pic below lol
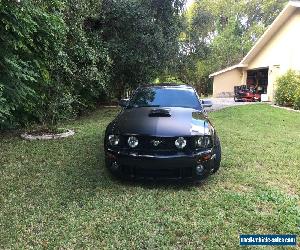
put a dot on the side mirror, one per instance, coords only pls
(124, 103)
(206, 103)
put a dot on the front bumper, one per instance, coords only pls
(177, 166)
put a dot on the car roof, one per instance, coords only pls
(168, 85)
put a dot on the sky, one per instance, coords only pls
(189, 2)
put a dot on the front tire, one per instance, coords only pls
(218, 152)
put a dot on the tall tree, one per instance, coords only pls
(141, 37)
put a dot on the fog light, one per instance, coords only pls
(206, 157)
(199, 169)
(180, 143)
(114, 166)
(133, 142)
(204, 142)
(114, 140)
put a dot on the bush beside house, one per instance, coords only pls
(297, 99)
(288, 90)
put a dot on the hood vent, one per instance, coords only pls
(160, 113)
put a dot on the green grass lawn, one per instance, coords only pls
(58, 194)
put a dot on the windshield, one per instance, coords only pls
(165, 97)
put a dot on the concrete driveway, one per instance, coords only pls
(220, 103)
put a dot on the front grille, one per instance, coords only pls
(147, 144)
(171, 173)
(167, 144)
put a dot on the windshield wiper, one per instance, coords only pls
(149, 106)
(143, 106)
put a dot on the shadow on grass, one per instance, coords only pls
(86, 177)
(172, 185)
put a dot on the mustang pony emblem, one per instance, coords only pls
(156, 142)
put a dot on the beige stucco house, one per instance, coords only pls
(273, 54)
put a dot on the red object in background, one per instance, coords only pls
(250, 82)
(245, 94)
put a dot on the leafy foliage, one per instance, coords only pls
(39, 79)
(60, 58)
(141, 37)
(31, 40)
(89, 64)
(288, 89)
(297, 99)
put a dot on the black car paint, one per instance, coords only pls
(181, 122)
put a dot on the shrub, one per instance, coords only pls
(51, 69)
(60, 58)
(288, 86)
(297, 99)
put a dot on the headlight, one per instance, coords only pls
(204, 142)
(114, 140)
(180, 143)
(133, 141)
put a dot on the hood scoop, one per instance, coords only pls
(160, 113)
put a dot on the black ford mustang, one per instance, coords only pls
(162, 132)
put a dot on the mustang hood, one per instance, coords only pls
(164, 122)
